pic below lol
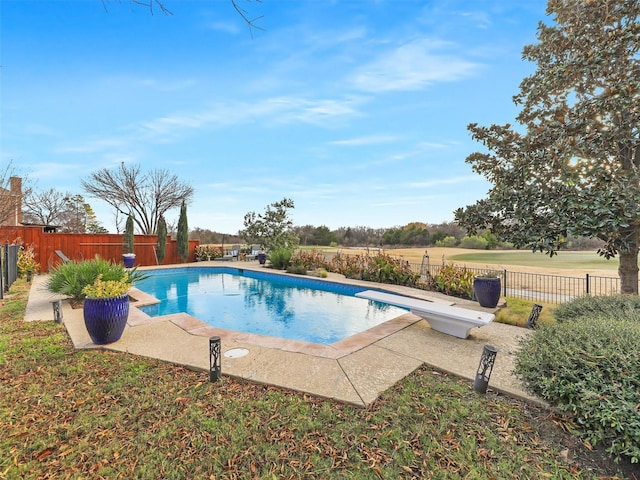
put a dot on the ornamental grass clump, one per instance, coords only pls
(589, 368)
(280, 258)
(70, 278)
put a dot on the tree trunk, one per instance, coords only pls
(628, 269)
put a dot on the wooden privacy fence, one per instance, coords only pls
(79, 246)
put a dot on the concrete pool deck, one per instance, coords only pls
(355, 370)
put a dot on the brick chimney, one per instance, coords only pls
(15, 185)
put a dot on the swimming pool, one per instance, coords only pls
(297, 308)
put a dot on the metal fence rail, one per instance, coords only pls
(538, 287)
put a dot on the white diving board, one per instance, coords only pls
(455, 321)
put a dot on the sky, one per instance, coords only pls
(357, 110)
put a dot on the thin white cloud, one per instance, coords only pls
(445, 181)
(481, 19)
(94, 145)
(49, 170)
(276, 110)
(226, 27)
(366, 140)
(412, 66)
(427, 146)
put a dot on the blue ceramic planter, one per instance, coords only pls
(487, 291)
(105, 318)
(129, 260)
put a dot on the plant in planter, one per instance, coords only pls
(487, 288)
(106, 309)
(70, 278)
(128, 257)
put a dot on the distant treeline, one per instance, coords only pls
(415, 234)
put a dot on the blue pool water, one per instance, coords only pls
(298, 308)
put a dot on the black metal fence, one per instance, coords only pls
(539, 287)
(8, 267)
(535, 287)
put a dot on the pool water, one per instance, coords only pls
(298, 308)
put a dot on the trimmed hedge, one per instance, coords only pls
(588, 365)
(625, 306)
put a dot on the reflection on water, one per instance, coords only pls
(269, 304)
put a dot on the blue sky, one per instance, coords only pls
(357, 110)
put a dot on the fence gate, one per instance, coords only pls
(9, 267)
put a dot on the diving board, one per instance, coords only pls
(454, 321)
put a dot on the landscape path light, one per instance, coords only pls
(485, 368)
(57, 311)
(215, 359)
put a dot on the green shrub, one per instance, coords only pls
(474, 242)
(297, 269)
(280, 258)
(70, 278)
(129, 237)
(589, 369)
(454, 281)
(322, 273)
(447, 241)
(384, 268)
(623, 305)
(350, 266)
(27, 261)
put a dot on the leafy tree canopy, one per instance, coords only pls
(571, 165)
(272, 229)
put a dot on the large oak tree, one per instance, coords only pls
(572, 164)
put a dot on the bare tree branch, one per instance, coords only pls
(160, 4)
(145, 196)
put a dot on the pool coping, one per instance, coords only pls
(356, 370)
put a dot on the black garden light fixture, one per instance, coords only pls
(57, 311)
(485, 368)
(215, 359)
(532, 321)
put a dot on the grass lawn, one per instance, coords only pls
(568, 260)
(95, 414)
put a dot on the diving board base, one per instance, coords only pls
(447, 319)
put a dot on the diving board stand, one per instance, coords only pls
(454, 321)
